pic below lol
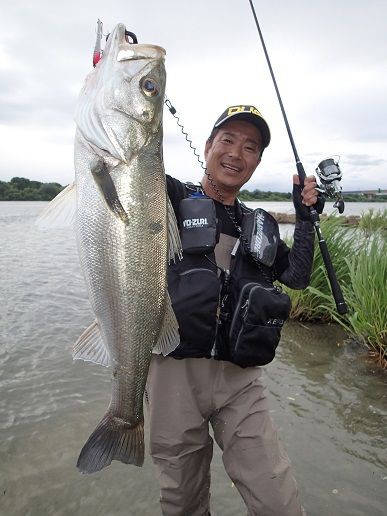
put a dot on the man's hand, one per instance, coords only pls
(308, 196)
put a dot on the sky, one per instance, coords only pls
(329, 59)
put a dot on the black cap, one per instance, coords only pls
(250, 114)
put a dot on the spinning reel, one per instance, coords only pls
(330, 175)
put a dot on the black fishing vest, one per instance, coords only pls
(202, 297)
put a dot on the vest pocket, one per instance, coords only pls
(195, 298)
(257, 321)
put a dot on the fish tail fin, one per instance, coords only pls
(113, 439)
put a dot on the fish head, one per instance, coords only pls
(120, 106)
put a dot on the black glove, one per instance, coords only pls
(302, 211)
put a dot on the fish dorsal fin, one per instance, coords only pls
(169, 337)
(91, 347)
(60, 212)
(174, 242)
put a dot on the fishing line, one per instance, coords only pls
(214, 186)
(173, 112)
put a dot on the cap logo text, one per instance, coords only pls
(243, 109)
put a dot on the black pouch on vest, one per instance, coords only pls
(195, 297)
(261, 232)
(255, 329)
(198, 224)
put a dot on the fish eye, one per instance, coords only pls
(149, 87)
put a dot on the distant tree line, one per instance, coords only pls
(364, 198)
(22, 189)
(258, 195)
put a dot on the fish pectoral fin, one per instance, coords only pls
(60, 212)
(108, 190)
(169, 337)
(91, 347)
(174, 242)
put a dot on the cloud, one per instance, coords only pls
(364, 160)
(36, 154)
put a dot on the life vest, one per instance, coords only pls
(205, 298)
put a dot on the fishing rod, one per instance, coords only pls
(330, 175)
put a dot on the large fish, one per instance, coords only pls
(123, 223)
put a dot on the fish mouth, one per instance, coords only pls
(130, 51)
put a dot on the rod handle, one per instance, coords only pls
(335, 286)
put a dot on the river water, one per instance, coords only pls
(328, 401)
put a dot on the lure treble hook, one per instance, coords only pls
(97, 54)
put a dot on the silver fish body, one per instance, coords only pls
(122, 234)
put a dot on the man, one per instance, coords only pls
(199, 384)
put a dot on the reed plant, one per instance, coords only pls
(315, 302)
(366, 297)
(372, 221)
(359, 257)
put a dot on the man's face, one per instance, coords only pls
(233, 155)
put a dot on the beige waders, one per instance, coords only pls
(184, 396)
